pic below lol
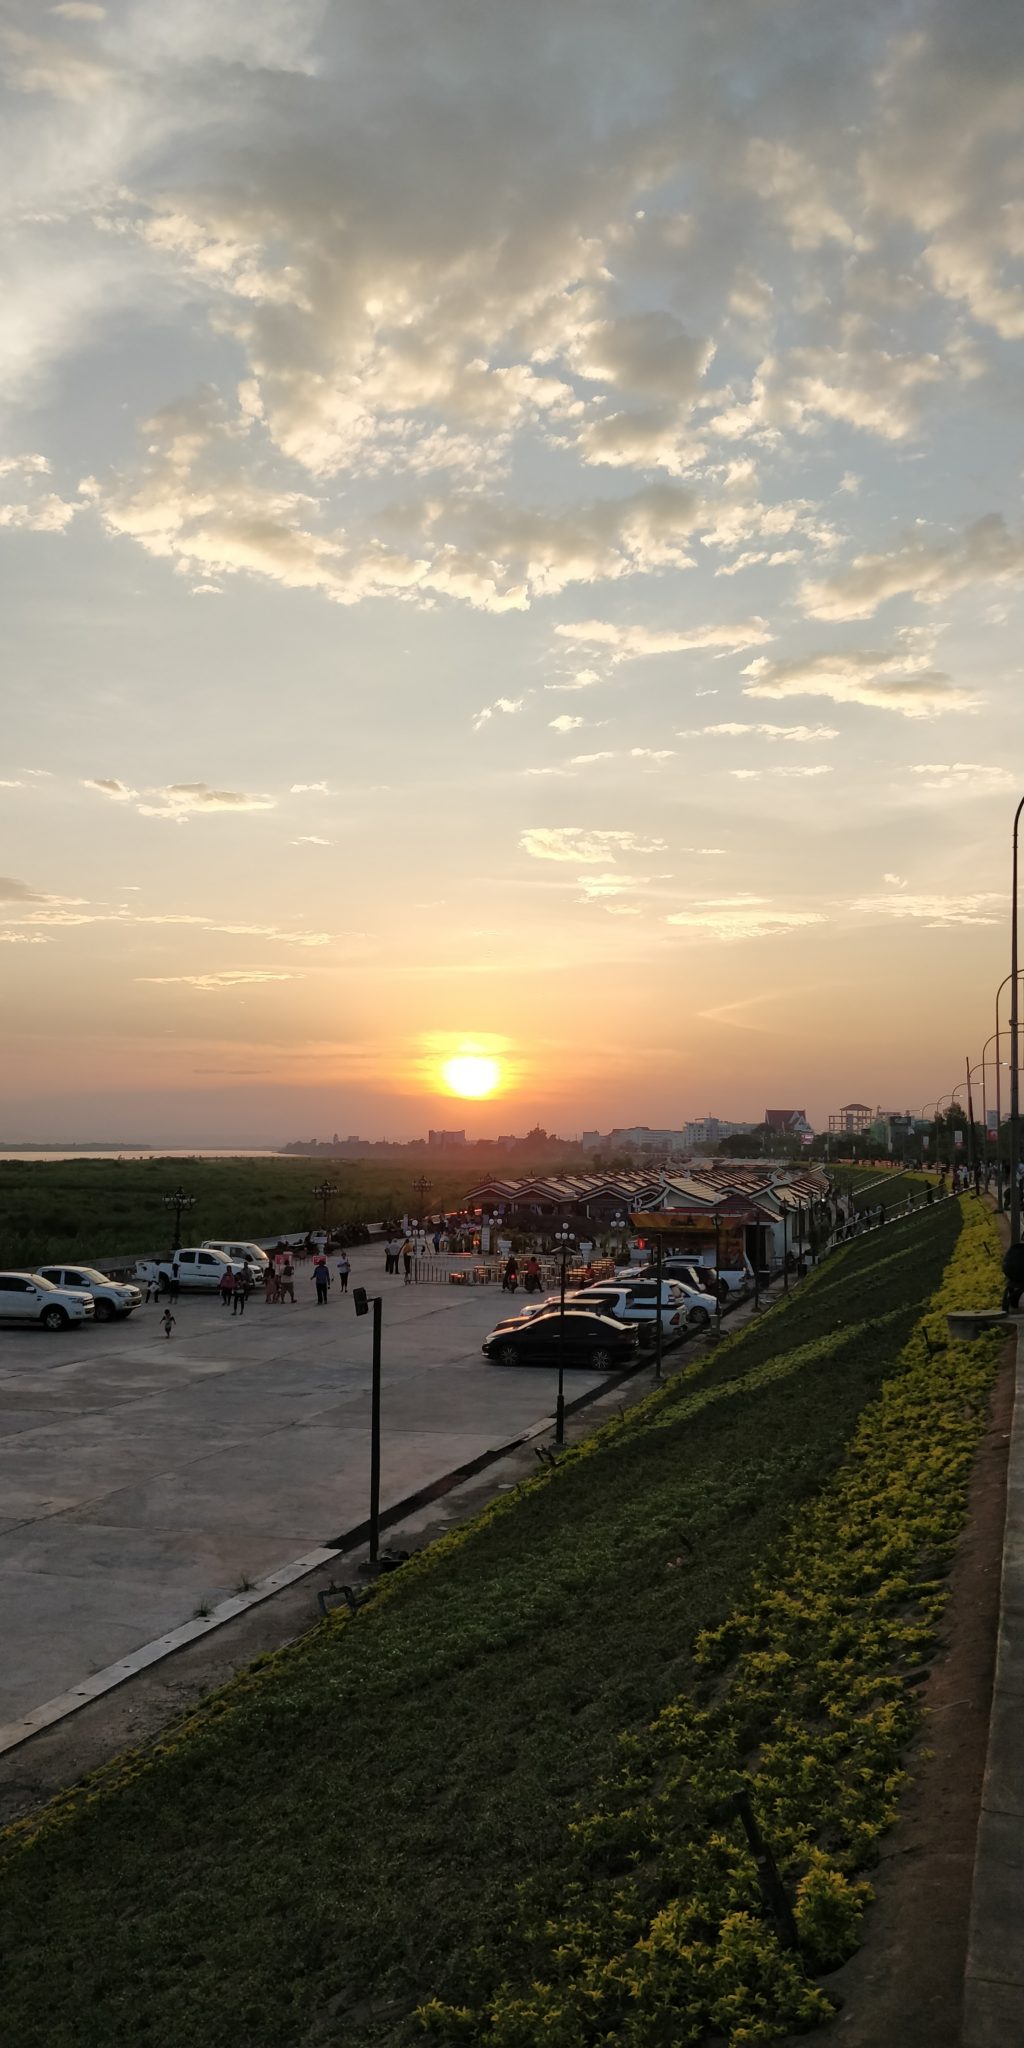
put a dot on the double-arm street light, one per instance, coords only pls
(323, 1195)
(179, 1202)
(565, 1240)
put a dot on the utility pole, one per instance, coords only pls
(658, 1255)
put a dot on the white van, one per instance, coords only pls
(238, 1253)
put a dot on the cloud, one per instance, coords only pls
(972, 777)
(796, 735)
(310, 839)
(884, 681)
(563, 723)
(930, 571)
(79, 10)
(119, 792)
(584, 679)
(754, 774)
(584, 760)
(632, 643)
(12, 891)
(742, 917)
(576, 843)
(508, 705)
(310, 788)
(180, 801)
(895, 881)
(937, 912)
(24, 939)
(227, 978)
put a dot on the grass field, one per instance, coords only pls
(350, 1831)
(874, 1184)
(105, 1208)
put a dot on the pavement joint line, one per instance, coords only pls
(997, 1919)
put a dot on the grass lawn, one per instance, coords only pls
(340, 1835)
(106, 1208)
(874, 1184)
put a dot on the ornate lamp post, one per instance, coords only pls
(179, 1202)
(323, 1195)
(422, 1187)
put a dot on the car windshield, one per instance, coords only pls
(38, 1281)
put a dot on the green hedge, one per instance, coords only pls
(657, 1934)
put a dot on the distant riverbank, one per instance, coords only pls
(29, 1153)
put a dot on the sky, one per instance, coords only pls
(511, 546)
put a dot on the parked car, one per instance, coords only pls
(637, 1303)
(731, 1279)
(28, 1298)
(112, 1297)
(258, 1259)
(596, 1340)
(199, 1271)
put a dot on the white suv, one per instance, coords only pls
(28, 1298)
(238, 1253)
(112, 1297)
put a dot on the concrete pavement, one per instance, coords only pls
(140, 1476)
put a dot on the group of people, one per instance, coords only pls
(533, 1279)
(322, 1276)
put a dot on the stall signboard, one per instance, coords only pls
(693, 1231)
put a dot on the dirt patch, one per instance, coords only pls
(905, 1985)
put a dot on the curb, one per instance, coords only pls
(994, 1976)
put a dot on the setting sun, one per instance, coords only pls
(471, 1076)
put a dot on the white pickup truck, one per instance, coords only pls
(197, 1270)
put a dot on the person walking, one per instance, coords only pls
(172, 1291)
(241, 1293)
(531, 1278)
(272, 1285)
(407, 1261)
(227, 1286)
(321, 1281)
(344, 1269)
(167, 1322)
(286, 1281)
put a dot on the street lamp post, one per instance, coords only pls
(362, 1304)
(565, 1240)
(179, 1202)
(323, 1195)
(422, 1188)
(1014, 1047)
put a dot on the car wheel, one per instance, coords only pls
(601, 1360)
(104, 1311)
(54, 1319)
(698, 1318)
(507, 1354)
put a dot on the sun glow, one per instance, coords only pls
(471, 1076)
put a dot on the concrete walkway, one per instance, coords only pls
(140, 1477)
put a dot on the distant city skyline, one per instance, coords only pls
(511, 552)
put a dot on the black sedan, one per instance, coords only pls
(598, 1341)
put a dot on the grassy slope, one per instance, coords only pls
(104, 1208)
(874, 1184)
(357, 1816)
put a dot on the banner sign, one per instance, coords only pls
(958, 1139)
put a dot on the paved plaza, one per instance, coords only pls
(140, 1476)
